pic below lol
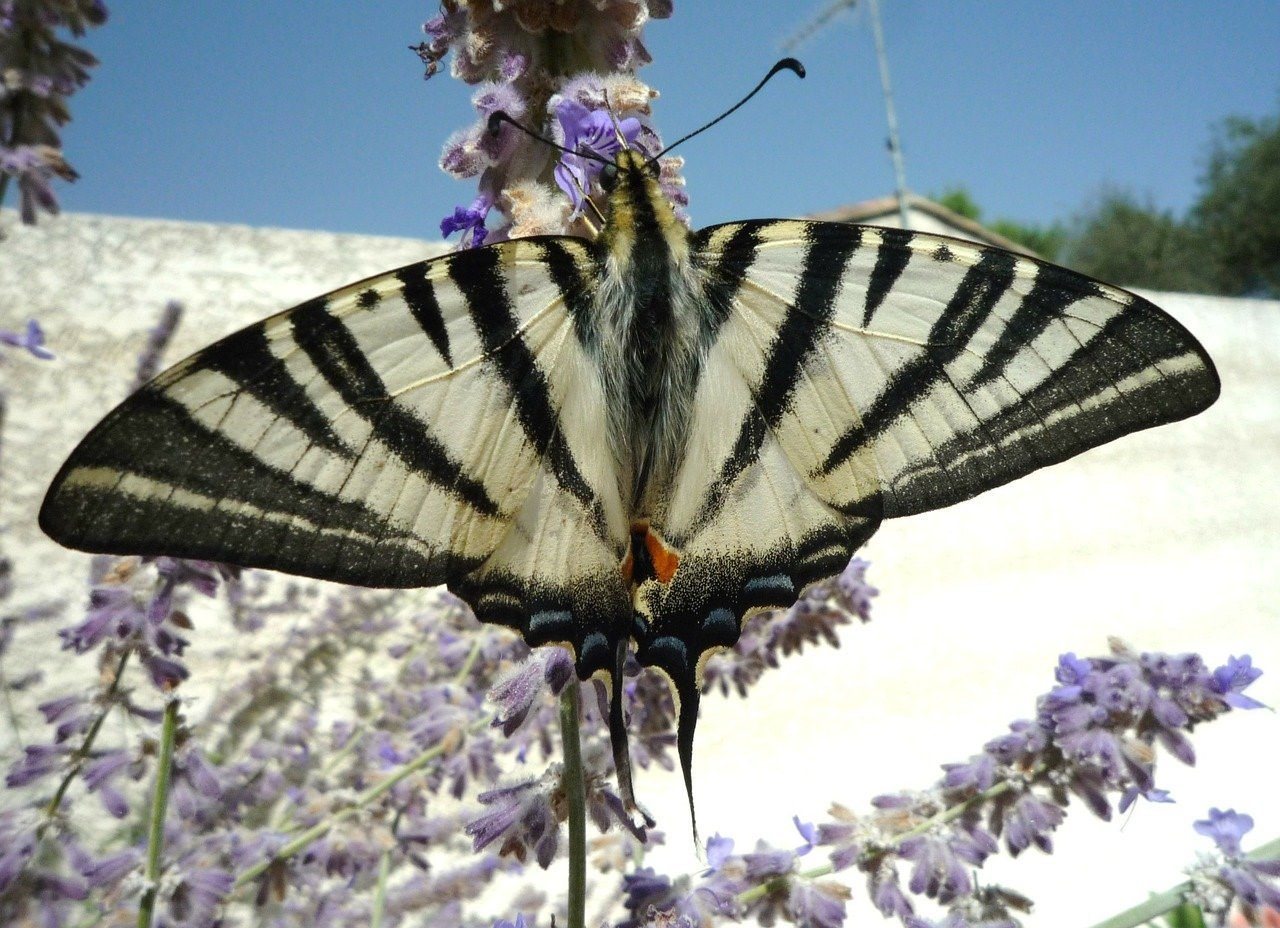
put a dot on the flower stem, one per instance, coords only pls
(1170, 899)
(86, 745)
(575, 787)
(380, 891)
(159, 806)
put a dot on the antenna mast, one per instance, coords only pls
(818, 23)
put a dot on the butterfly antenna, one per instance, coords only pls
(498, 118)
(786, 64)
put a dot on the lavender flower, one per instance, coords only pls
(158, 339)
(521, 819)
(469, 220)
(1094, 735)
(31, 338)
(770, 636)
(1227, 878)
(595, 134)
(39, 71)
(517, 54)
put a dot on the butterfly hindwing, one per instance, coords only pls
(429, 425)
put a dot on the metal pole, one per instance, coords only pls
(816, 25)
(895, 147)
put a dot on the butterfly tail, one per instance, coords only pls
(618, 730)
(689, 694)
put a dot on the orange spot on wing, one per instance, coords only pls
(628, 568)
(665, 560)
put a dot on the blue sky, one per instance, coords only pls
(315, 116)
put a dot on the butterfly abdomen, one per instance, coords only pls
(651, 354)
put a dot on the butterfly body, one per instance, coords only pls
(634, 442)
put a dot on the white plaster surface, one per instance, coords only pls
(1169, 539)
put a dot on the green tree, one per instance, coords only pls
(1045, 241)
(1131, 243)
(1239, 207)
(958, 200)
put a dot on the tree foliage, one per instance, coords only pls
(1238, 210)
(1129, 242)
(1046, 241)
(1228, 243)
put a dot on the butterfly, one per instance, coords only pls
(633, 442)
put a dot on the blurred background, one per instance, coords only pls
(268, 152)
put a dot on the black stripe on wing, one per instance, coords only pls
(247, 361)
(974, 299)
(724, 270)
(806, 324)
(420, 297)
(563, 267)
(891, 260)
(1053, 291)
(154, 437)
(1069, 412)
(478, 275)
(337, 356)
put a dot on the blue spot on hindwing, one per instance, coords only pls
(721, 626)
(550, 622)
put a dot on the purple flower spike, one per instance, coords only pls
(852, 591)
(32, 339)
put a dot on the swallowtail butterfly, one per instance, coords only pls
(636, 441)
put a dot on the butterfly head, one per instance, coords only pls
(635, 198)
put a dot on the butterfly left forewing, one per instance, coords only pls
(397, 432)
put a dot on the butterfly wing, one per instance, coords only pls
(435, 424)
(871, 373)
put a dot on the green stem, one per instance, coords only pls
(371, 795)
(380, 892)
(159, 806)
(1170, 899)
(86, 746)
(470, 662)
(575, 787)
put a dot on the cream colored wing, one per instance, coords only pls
(854, 374)
(435, 424)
